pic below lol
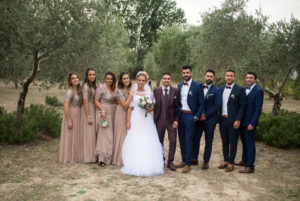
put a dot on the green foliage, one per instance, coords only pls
(281, 131)
(52, 100)
(37, 120)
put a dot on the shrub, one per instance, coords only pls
(281, 131)
(36, 121)
(52, 100)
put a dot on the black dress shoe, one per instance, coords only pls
(205, 166)
(194, 162)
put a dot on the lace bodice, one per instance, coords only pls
(122, 95)
(73, 98)
(137, 95)
(104, 96)
(85, 93)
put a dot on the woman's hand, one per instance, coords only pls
(103, 114)
(150, 109)
(90, 120)
(70, 124)
(128, 126)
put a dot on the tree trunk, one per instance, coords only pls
(24, 91)
(16, 84)
(277, 104)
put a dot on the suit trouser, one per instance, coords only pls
(161, 126)
(209, 130)
(229, 137)
(186, 129)
(248, 141)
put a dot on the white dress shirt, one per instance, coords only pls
(205, 90)
(184, 95)
(163, 90)
(226, 94)
(248, 90)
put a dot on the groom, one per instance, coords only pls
(165, 115)
(191, 102)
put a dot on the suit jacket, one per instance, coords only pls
(254, 106)
(195, 99)
(212, 104)
(173, 103)
(236, 103)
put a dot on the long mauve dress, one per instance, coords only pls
(104, 146)
(120, 129)
(88, 130)
(71, 146)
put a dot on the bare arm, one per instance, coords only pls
(100, 107)
(125, 104)
(87, 111)
(67, 114)
(128, 117)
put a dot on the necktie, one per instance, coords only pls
(166, 92)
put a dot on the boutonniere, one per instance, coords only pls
(190, 93)
(232, 96)
(175, 97)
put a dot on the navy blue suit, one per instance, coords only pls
(253, 110)
(212, 103)
(186, 125)
(236, 106)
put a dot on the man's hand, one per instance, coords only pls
(236, 124)
(250, 127)
(202, 118)
(196, 119)
(175, 124)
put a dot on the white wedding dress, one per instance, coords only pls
(142, 152)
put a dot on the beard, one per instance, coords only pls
(208, 82)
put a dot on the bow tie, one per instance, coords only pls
(248, 88)
(205, 86)
(228, 87)
(185, 83)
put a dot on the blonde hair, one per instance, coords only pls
(143, 73)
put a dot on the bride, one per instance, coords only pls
(142, 152)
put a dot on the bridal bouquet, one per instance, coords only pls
(145, 102)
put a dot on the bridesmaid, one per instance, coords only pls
(88, 117)
(124, 95)
(105, 102)
(70, 139)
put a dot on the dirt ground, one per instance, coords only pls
(32, 171)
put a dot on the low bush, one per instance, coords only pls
(36, 121)
(52, 100)
(281, 131)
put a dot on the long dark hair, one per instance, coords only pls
(90, 84)
(120, 82)
(70, 86)
(113, 85)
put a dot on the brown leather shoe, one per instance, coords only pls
(247, 170)
(229, 168)
(186, 169)
(223, 166)
(180, 165)
(205, 166)
(194, 162)
(171, 166)
(241, 163)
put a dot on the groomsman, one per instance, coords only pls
(165, 115)
(255, 97)
(191, 102)
(208, 120)
(234, 101)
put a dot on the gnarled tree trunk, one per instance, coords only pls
(25, 85)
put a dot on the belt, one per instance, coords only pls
(225, 116)
(186, 111)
